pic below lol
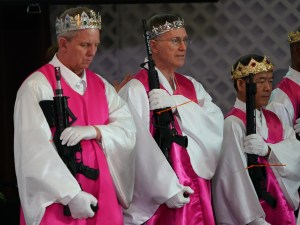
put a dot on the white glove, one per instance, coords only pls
(80, 205)
(178, 200)
(73, 135)
(297, 126)
(254, 144)
(259, 221)
(159, 99)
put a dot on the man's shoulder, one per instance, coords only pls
(233, 123)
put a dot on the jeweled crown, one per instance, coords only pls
(78, 22)
(294, 36)
(252, 67)
(155, 31)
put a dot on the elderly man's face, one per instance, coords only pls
(81, 49)
(169, 48)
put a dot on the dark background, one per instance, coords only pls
(24, 40)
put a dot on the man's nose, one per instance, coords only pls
(92, 50)
(268, 85)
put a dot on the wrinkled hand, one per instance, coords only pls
(254, 144)
(178, 200)
(80, 205)
(73, 135)
(159, 99)
(297, 126)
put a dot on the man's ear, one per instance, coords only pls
(62, 43)
(153, 46)
(241, 84)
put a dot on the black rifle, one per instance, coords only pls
(59, 115)
(256, 173)
(165, 132)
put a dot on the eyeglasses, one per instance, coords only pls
(176, 41)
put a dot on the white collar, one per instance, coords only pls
(77, 83)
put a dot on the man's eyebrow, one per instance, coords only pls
(262, 78)
(265, 78)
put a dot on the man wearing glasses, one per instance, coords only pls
(174, 187)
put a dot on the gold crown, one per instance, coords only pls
(78, 22)
(166, 27)
(252, 67)
(294, 37)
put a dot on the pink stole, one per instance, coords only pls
(91, 108)
(199, 210)
(282, 214)
(292, 90)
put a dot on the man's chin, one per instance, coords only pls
(263, 104)
(180, 64)
(85, 66)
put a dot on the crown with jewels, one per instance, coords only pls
(294, 36)
(252, 67)
(78, 22)
(166, 27)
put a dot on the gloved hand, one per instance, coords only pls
(72, 135)
(178, 200)
(254, 144)
(297, 126)
(259, 221)
(159, 99)
(80, 205)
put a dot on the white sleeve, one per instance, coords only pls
(155, 180)
(281, 105)
(234, 198)
(39, 169)
(135, 95)
(287, 152)
(118, 141)
(202, 122)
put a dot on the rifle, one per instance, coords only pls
(256, 173)
(165, 132)
(59, 115)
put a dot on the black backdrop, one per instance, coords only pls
(24, 39)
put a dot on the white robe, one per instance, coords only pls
(234, 197)
(42, 176)
(202, 123)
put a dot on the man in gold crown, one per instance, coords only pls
(103, 129)
(179, 192)
(285, 98)
(258, 173)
